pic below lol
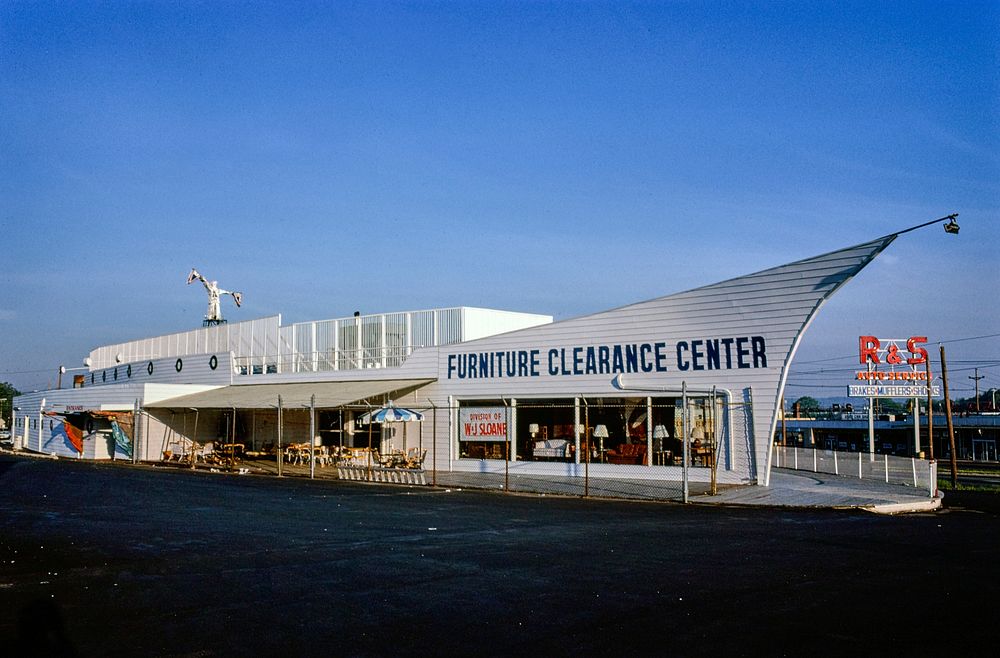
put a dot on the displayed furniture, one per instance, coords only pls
(659, 434)
(550, 449)
(585, 448)
(415, 457)
(663, 457)
(476, 451)
(701, 453)
(486, 450)
(601, 433)
(628, 453)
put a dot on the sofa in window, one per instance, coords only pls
(551, 449)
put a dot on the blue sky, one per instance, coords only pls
(550, 157)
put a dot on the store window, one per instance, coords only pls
(483, 429)
(625, 431)
(702, 427)
(545, 429)
(619, 429)
(611, 430)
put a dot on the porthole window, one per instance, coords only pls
(178, 365)
(149, 368)
(213, 363)
(128, 371)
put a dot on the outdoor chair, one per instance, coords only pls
(415, 458)
(203, 452)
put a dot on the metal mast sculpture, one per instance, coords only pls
(214, 314)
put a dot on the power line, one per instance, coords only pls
(21, 372)
(938, 342)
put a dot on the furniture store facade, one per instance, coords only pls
(627, 392)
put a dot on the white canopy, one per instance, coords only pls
(265, 396)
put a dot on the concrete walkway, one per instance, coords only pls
(788, 488)
(819, 490)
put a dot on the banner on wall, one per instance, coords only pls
(122, 442)
(63, 429)
(482, 424)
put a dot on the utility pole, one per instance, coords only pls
(947, 416)
(930, 412)
(977, 378)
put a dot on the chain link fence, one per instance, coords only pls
(630, 448)
(907, 471)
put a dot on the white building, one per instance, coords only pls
(610, 393)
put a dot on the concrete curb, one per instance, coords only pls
(928, 505)
(29, 453)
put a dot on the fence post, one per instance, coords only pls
(836, 464)
(686, 455)
(795, 456)
(312, 437)
(136, 421)
(434, 444)
(886, 456)
(588, 439)
(859, 466)
(280, 451)
(913, 464)
(815, 459)
(507, 439)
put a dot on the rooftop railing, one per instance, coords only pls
(361, 358)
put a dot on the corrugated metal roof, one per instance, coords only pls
(263, 396)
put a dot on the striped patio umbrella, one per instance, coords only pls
(391, 413)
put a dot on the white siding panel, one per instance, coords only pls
(252, 337)
(481, 322)
(191, 369)
(776, 304)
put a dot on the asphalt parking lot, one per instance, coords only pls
(117, 560)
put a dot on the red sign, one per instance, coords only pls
(872, 352)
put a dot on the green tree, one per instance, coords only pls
(807, 403)
(7, 393)
(891, 406)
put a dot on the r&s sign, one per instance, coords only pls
(893, 368)
(873, 351)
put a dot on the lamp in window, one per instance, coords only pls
(660, 433)
(533, 430)
(601, 433)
